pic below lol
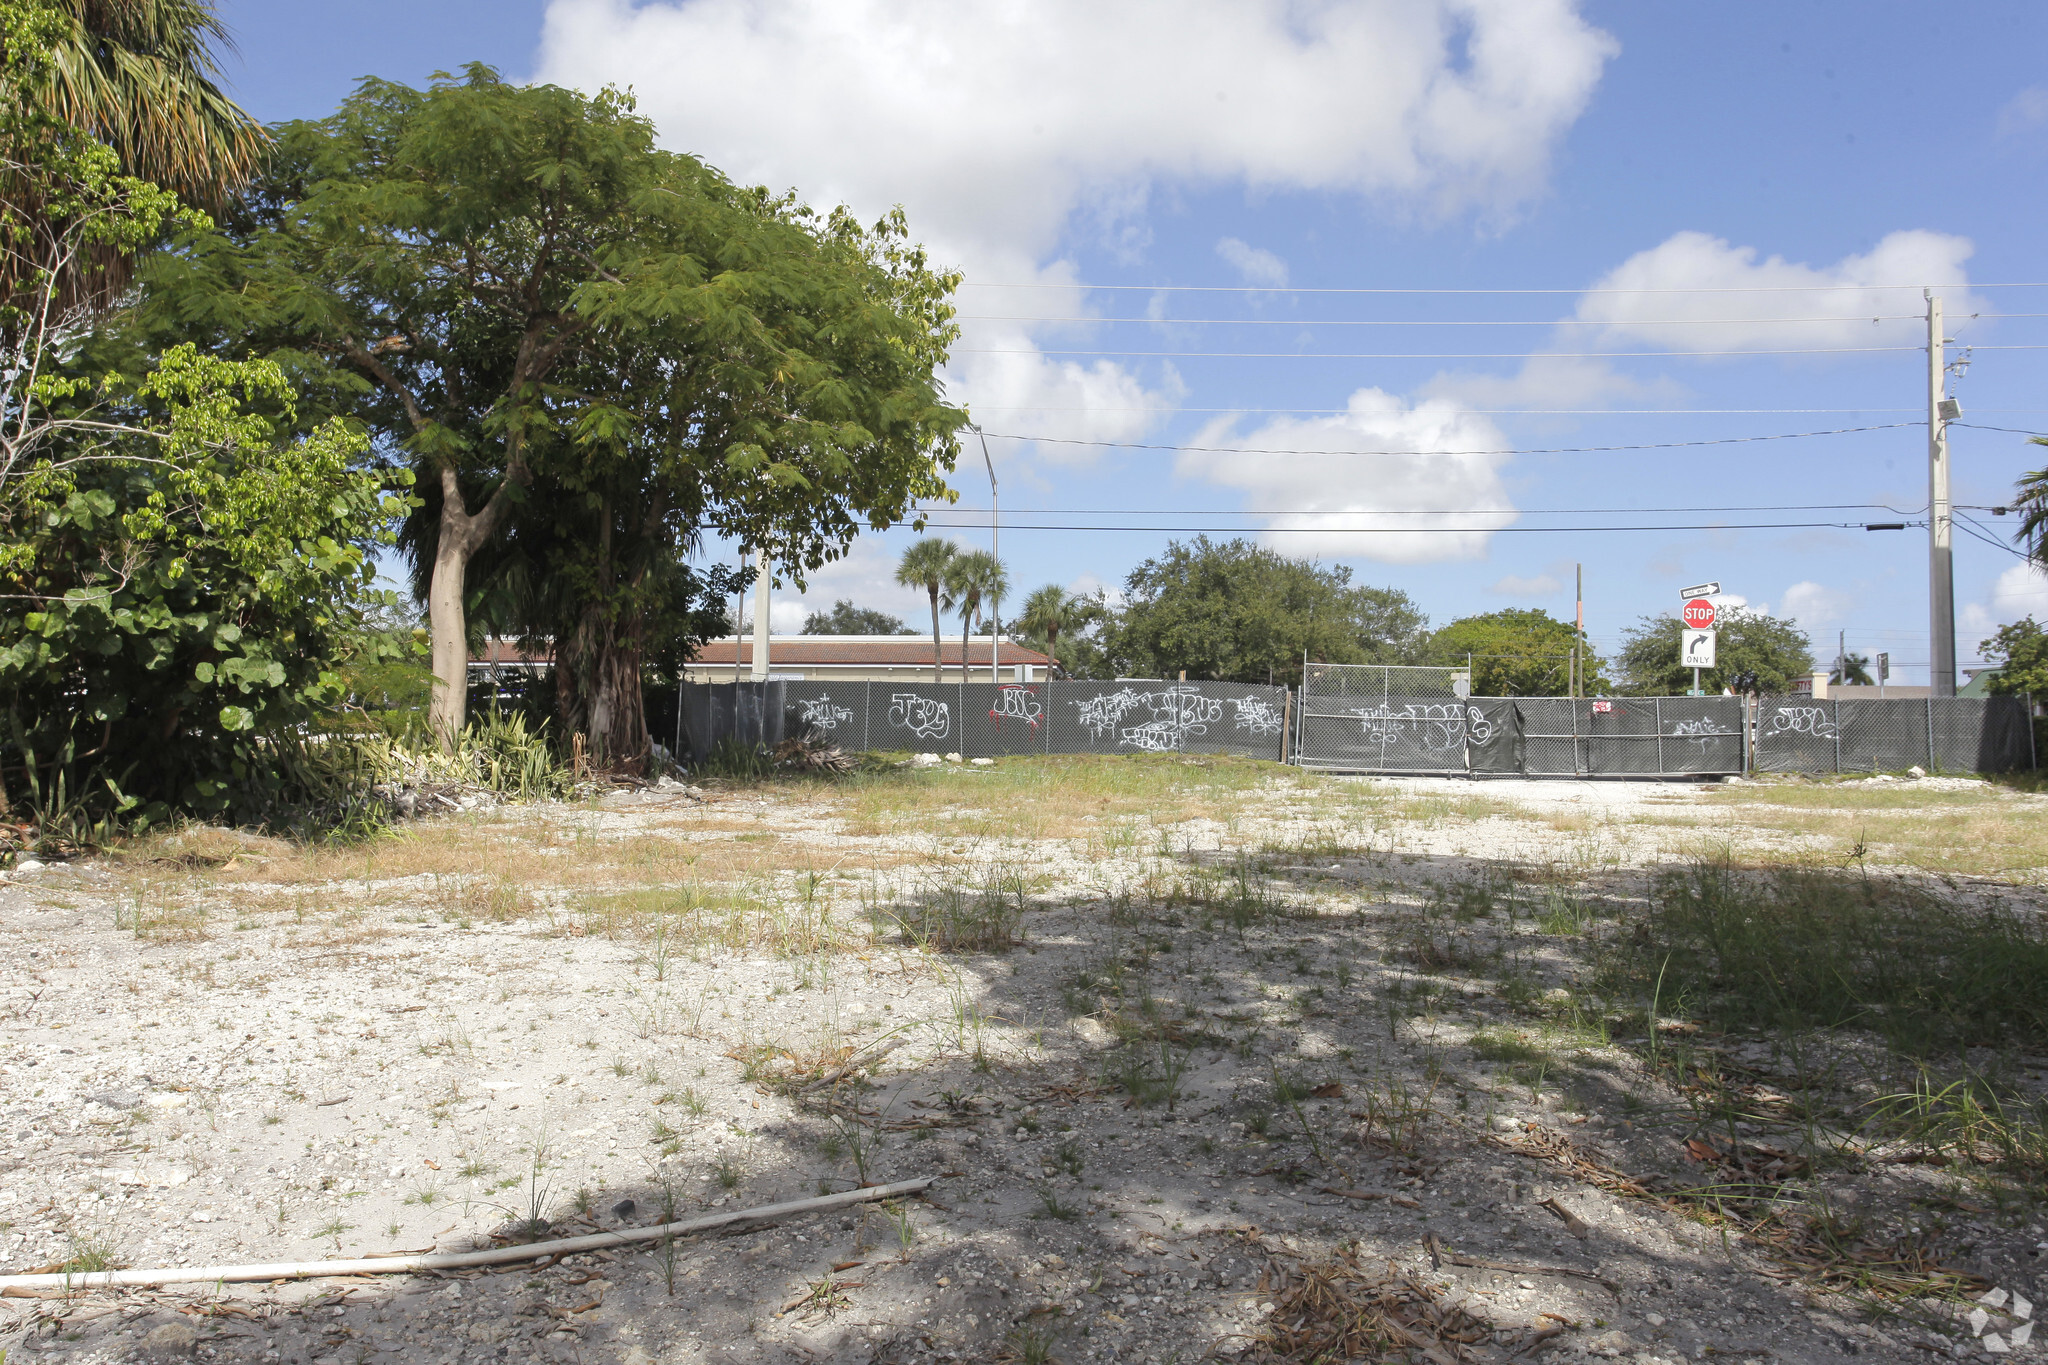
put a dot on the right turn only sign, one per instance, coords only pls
(1699, 649)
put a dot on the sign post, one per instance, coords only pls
(1698, 653)
(1699, 626)
(1884, 670)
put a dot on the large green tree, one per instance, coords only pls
(537, 308)
(1763, 653)
(1518, 652)
(182, 559)
(1236, 611)
(2021, 652)
(847, 619)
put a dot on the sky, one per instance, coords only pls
(1469, 296)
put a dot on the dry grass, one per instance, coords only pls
(1986, 833)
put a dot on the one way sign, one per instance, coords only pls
(1699, 649)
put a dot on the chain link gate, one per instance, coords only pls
(1395, 719)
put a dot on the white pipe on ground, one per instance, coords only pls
(456, 1260)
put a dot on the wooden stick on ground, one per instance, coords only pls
(456, 1260)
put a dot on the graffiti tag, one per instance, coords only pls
(1701, 732)
(1176, 713)
(925, 717)
(821, 713)
(1440, 726)
(1014, 702)
(1256, 715)
(1802, 720)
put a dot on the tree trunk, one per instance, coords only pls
(938, 649)
(447, 619)
(449, 629)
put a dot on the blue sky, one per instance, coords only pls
(1227, 166)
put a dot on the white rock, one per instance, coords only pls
(982, 762)
(953, 758)
(925, 760)
(1916, 771)
(29, 865)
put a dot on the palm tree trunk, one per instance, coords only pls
(938, 649)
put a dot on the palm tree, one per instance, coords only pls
(928, 564)
(973, 578)
(138, 75)
(1049, 611)
(2030, 500)
(1853, 669)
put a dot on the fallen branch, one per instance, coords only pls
(456, 1260)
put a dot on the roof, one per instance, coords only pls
(873, 651)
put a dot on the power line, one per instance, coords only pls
(1285, 289)
(1539, 450)
(1454, 511)
(1465, 322)
(2016, 431)
(1417, 530)
(1492, 412)
(1448, 355)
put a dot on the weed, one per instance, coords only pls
(1051, 1207)
(1796, 949)
(89, 1255)
(1067, 1157)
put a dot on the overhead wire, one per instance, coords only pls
(1534, 450)
(1448, 355)
(1468, 322)
(1414, 530)
(1424, 289)
(1448, 511)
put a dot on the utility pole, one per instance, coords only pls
(1579, 636)
(1941, 583)
(995, 549)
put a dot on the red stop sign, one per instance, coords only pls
(1699, 614)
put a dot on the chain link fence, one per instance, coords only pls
(1869, 734)
(986, 720)
(1382, 718)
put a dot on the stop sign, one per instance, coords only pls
(1699, 614)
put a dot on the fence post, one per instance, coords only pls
(1838, 735)
(1930, 734)
(1657, 713)
(2033, 758)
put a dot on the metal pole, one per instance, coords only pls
(995, 548)
(1579, 636)
(739, 612)
(1941, 587)
(759, 671)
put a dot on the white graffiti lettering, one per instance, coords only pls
(1802, 720)
(1441, 726)
(925, 717)
(1016, 702)
(1177, 712)
(1257, 715)
(1701, 732)
(820, 713)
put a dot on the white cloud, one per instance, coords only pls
(1256, 264)
(1636, 305)
(1004, 130)
(2020, 591)
(1330, 501)
(2024, 112)
(1542, 585)
(1816, 607)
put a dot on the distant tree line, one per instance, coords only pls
(1240, 612)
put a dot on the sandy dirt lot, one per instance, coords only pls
(1207, 1057)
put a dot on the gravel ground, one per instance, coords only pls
(1148, 1117)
